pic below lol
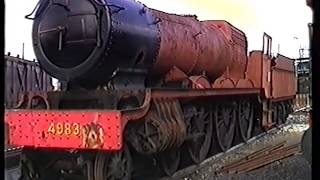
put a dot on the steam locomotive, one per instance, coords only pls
(142, 84)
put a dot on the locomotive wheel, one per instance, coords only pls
(245, 120)
(281, 114)
(150, 134)
(113, 166)
(224, 121)
(169, 161)
(288, 109)
(275, 114)
(285, 112)
(200, 126)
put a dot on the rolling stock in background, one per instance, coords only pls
(22, 76)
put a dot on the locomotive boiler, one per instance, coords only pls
(86, 42)
(143, 89)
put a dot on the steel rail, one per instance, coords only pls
(263, 157)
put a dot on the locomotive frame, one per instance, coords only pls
(115, 129)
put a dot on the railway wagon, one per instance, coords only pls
(142, 85)
(23, 76)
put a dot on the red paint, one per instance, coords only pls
(30, 128)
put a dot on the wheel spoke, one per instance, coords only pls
(116, 165)
(221, 122)
(201, 123)
(224, 125)
(245, 120)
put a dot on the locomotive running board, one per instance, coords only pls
(189, 93)
(90, 129)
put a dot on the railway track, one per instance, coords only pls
(260, 158)
(181, 174)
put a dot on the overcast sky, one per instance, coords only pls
(285, 20)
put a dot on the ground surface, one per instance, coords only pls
(294, 167)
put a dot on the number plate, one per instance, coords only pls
(67, 129)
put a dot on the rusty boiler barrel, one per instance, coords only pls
(194, 47)
(88, 40)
